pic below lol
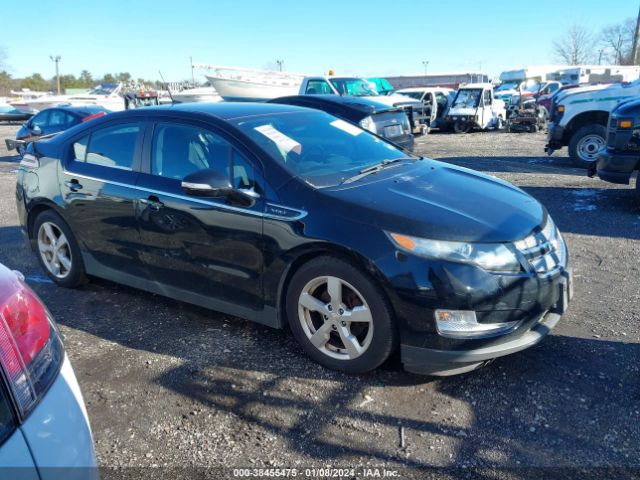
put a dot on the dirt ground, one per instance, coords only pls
(171, 385)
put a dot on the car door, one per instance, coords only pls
(98, 190)
(486, 108)
(204, 250)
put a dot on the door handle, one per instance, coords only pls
(152, 202)
(73, 185)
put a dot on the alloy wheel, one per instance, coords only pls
(335, 318)
(55, 250)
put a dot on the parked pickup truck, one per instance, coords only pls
(359, 87)
(620, 157)
(578, 119)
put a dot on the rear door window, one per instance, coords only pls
(113, 146)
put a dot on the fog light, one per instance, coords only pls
(464, 324)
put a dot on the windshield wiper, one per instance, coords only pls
(376, 168)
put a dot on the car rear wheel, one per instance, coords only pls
(339, 316)
(585, 143)
(58, 251)
(461, 127)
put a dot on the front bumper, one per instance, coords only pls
(555, 134)
(441, 357)
(616, 167)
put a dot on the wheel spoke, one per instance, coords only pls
(55, 267)
(310, 302)
(334, 288)
(64, 261)
(358, 314)
(61, 241)
(48, 231)
(321, 336)
(354, 349)
(45, 247)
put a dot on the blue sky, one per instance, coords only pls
(352, 37)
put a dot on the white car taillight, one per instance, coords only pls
(31, 352)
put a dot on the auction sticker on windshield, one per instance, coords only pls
(283, 142)
(347, 127)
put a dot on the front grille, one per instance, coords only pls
(545, 250)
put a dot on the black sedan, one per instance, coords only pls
(389, 122)
(289, 216)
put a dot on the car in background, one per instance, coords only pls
(292, 217)
(475, 106)
(383, 120)
(44, 428)
(620, 157)
(57, 119)
(436, 101)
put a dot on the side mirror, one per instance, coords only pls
(207, 183)
(37, 130)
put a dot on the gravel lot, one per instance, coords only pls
(168, 384)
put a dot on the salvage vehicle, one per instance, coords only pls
(528, 116)
(292, 217)
(436, 101)
(474, 106)
(359, 87)
(54, 120)
(380, 119)
(44, 428)
(579, 116)
(619, 159)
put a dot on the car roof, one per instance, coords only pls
(88, 109)
(221, 110)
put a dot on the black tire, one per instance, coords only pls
(533, 128)
(461, 127)
(384, 337)
(593, 130)
(76, 275)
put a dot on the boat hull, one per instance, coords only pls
(235, 90)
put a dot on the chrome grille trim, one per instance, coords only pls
(544, 251)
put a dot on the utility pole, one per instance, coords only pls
(193, 78)
(425, 63)
(600, 56)
(56, 59)
(280, 63)
(636, 40)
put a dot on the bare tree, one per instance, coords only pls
(617, 41)
(576, 47)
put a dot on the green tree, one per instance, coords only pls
(108, 78)
(85, 79)
(68, 81)
(6, 83)
(123, 77)
(35, 82)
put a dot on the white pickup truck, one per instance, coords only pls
(578, 119)
(359, 87)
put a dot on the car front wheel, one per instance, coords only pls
(339, 316)
(585, 143)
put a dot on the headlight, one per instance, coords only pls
(495, 257)
(368, 124)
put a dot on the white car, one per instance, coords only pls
(44, 428)
(436, 101)
(475, 106)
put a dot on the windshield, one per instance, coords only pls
(103, 89)
(353, 87)
(416, 95)
(317, 147)
(507, 86)
(467, 98)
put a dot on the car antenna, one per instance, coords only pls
(168, 89)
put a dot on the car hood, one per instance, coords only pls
(572, 92)
(432, 199)
(462, 111)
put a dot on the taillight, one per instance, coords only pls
(95, 115)
(31, 352)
